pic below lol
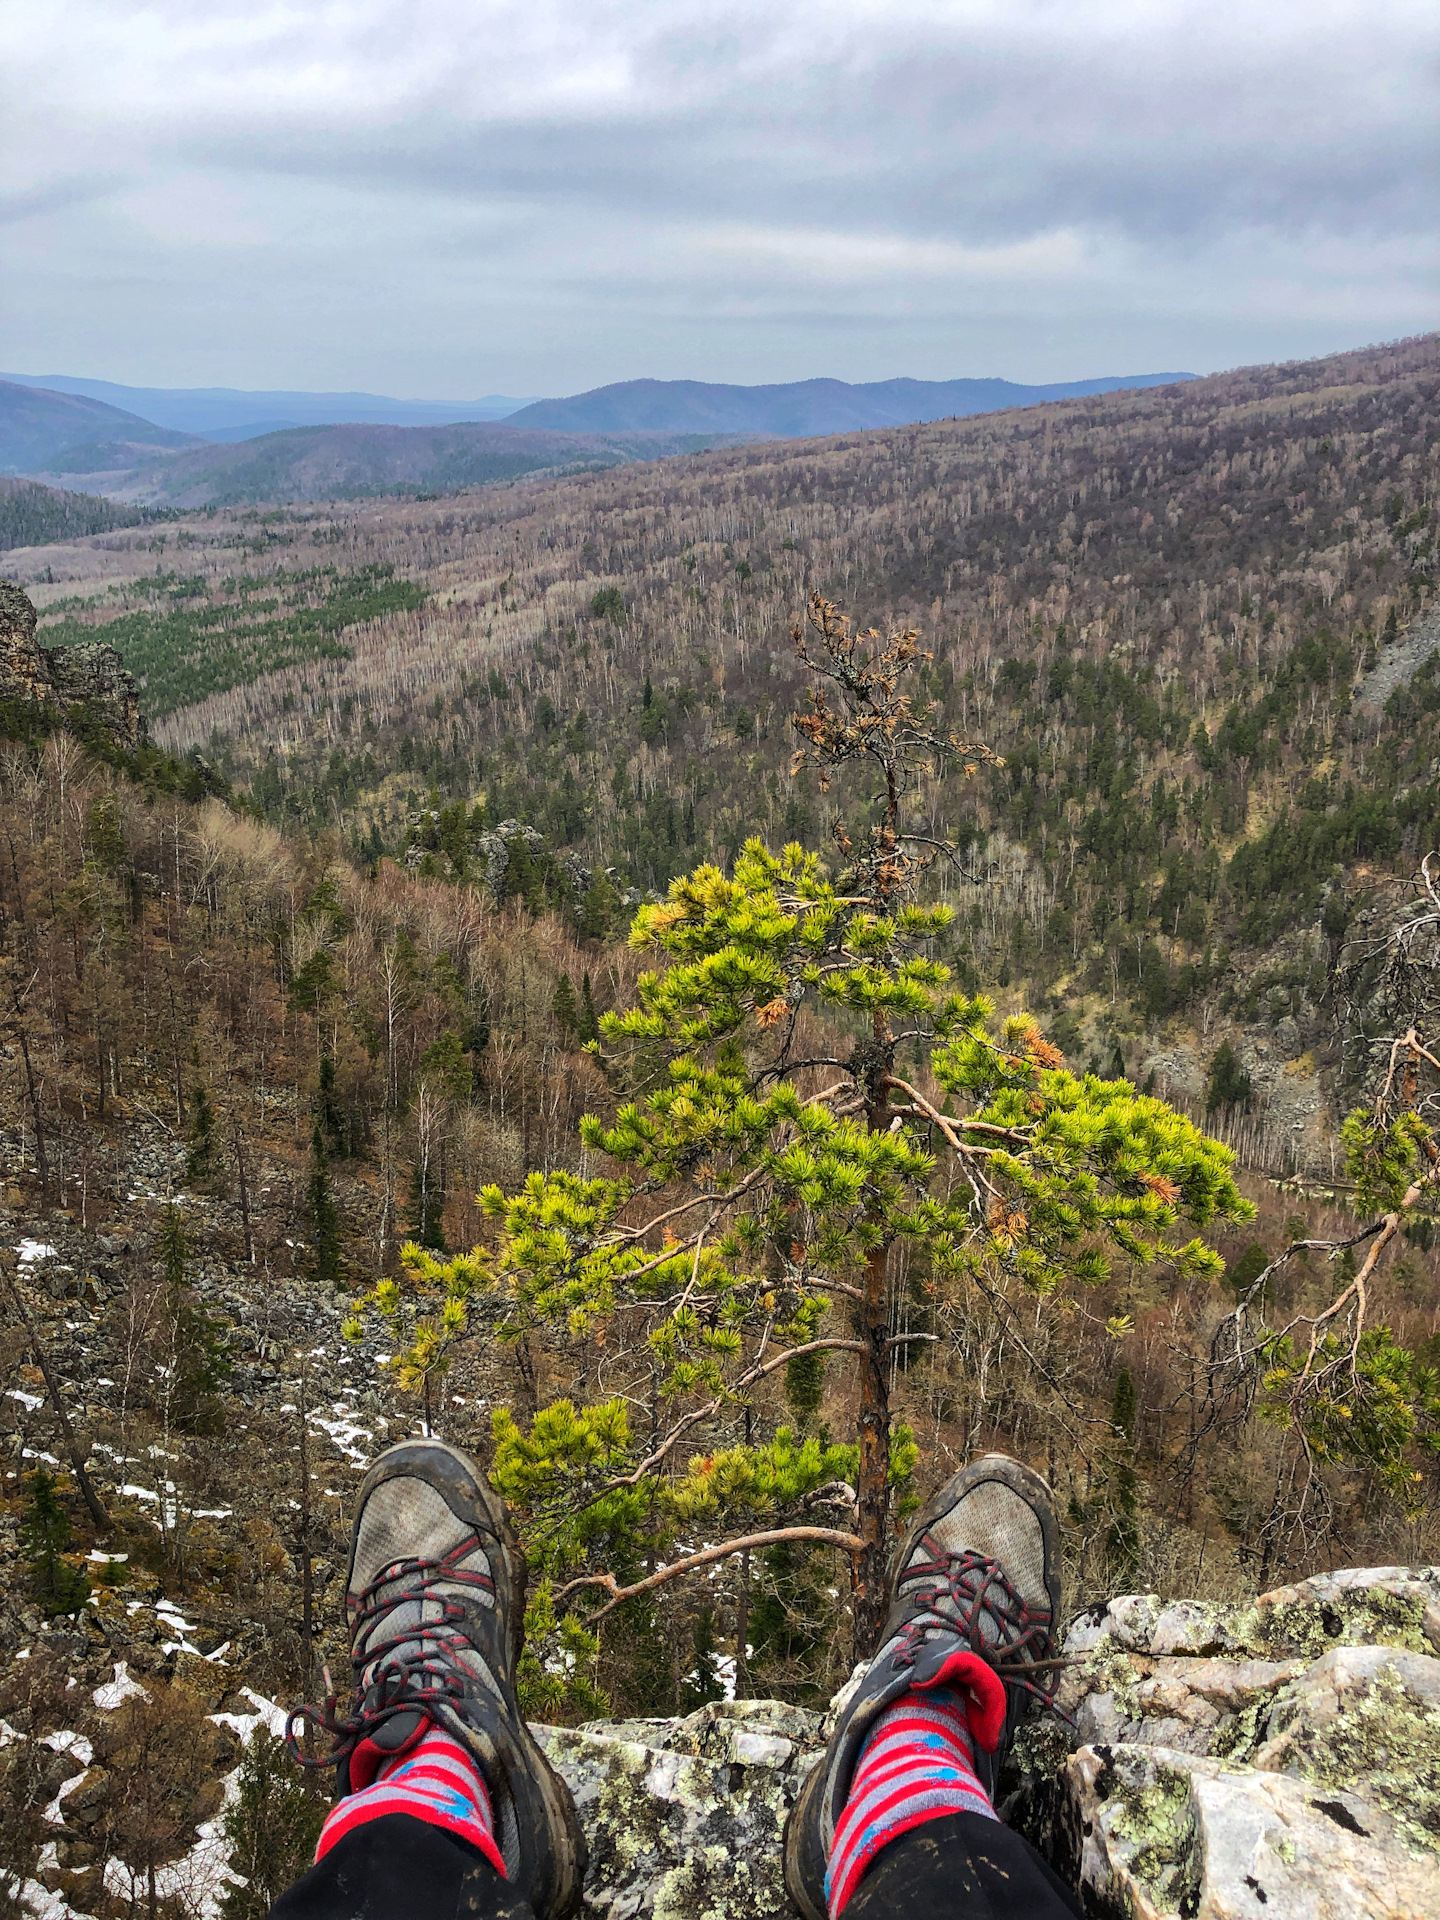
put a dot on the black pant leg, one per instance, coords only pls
(961, 1867)
(401, 1868)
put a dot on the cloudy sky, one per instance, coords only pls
(446, 198)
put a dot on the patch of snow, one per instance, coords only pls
(35, 1453)
(115, 1692)
(30, 1401)
(39, 1900)
(54, 1815)
(32, 1250)
(67, 1742)
(267, 1714)
(344, 1433)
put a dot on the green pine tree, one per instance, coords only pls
(1076, 1172)
(600, 908)
(1244, 1272)
(805, 1385)
(58, 1587)
(1229, 1083)
(328, 1110)
(271, 1828)
(587, 1026)
(565, 1010)
(703, 1683)
(200, 1148)
(198, 1364)
(322, 1214)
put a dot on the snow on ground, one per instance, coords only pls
(116, 1691)
(344, 1432)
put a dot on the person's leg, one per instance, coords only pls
(444, 1803)
(398, 1867)
(899, 1815)
(964, 1866)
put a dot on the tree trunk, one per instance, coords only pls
(62, 1419)
(244, 1195)
(40, 1160)
(307, 1574)
(868, 1587)
(742, 1598)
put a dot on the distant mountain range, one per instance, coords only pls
(36, 427)
(801, 409)
(229, 413)
(73, 434)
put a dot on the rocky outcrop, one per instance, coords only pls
(1278, 1759)
(684, 1817)
(1260, 1762)
(1274, 1761)
(88, 682)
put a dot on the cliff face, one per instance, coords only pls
(90, 681)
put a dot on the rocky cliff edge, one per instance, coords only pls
(89, 682)
(1273, 1761)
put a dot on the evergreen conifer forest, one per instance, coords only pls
(726, 987)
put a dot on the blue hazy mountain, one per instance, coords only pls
(801, 408)
(232, 413)
(36, 426)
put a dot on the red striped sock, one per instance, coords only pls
(917, 1764)
(434, 1779)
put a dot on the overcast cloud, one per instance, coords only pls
(443, 198)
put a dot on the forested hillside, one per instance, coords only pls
(1162, 610)
(33, 516)
(791, 1184)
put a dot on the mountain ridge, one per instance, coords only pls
(37, 426)
(801, 409)
(351, 461)
(225, 413)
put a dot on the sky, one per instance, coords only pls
(448, 198)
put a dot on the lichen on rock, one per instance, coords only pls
(684, 1817)
(1287, 1748)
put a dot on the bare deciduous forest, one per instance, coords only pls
(300, 996)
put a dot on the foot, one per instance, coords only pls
(977, 1576)
(434, 1599)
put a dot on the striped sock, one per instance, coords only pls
(917, 1764)
(434, 1779)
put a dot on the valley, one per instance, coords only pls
(383, 950)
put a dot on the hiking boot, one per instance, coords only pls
(435, 1601)
(978, 1573)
